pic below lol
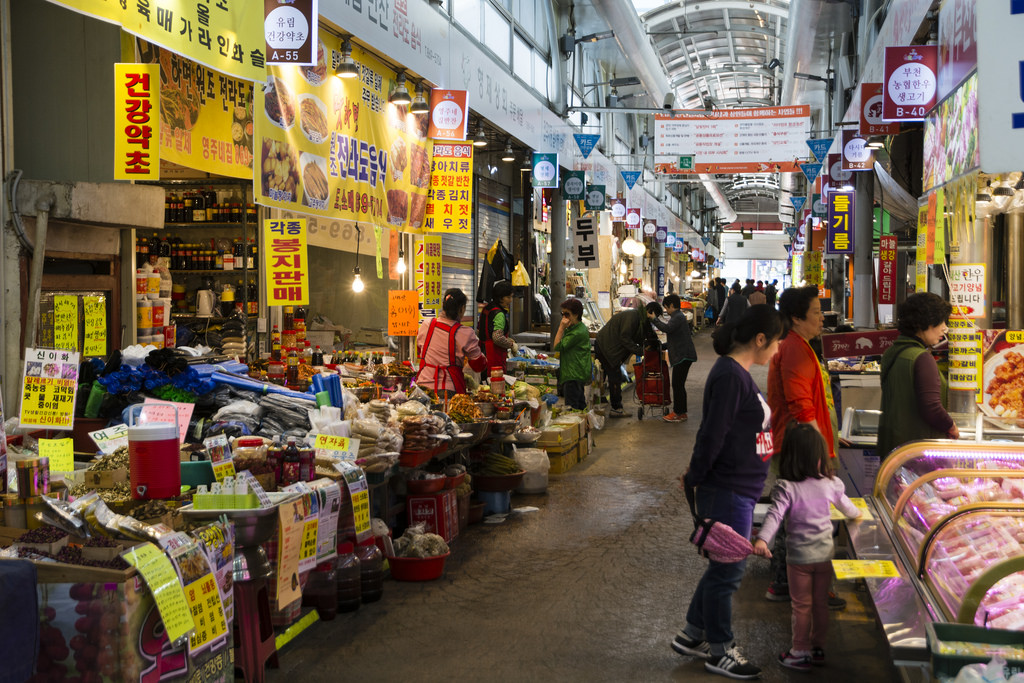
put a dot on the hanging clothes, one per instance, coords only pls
(497, 266)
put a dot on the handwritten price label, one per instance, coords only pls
(338, 447)
(163, 582)
(847, 570)
(61, 453)
(207, 610)
(109, 440)
(403, 313)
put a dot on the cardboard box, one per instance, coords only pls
(583, 449)
(570, 421)
(563, 459)
(558, 436)
(439, 513)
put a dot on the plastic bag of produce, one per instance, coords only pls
(536, 463)
(596, 420)
(993, 672)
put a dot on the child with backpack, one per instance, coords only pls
(802, 494)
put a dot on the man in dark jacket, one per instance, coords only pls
(771, 293)
(622, 336)
(723, 293)
(748, 289)
(681, 354)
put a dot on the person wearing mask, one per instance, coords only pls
(493, 326)
(799, 391)
(728, 468)
(681, 354)
(913, 389)
(624, 335)
(771, 293)
(444, 344)
(734, 306)
(572, 342)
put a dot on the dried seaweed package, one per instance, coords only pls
(218, 542)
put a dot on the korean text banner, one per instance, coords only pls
(337, 148)
(765, 139)
(205, 116)
(840, 223)
(136, 112)
(584, 243)
(428, 274)
(449, 114)
(285, 262)
(226, 35)
(48, 390)
(887, 269)
(449, 201)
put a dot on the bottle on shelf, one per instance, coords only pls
(198, 207)
(218, 263)
(251, 255)
(275, 459)
(288, 317)
(228, 262)
(254, 298)
(250, 213)
(179, 211)
(168, 213)
(236, 207)
(211, 205)
(293, 367)
(306, 468)
(275, 343)
(290, 464)
(318, 357)
(238, 250)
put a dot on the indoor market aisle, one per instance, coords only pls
(591, 587)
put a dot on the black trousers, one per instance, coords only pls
(613, 373)
(574, 395)
(679, 372)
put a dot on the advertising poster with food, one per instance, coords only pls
(1002, 377)
(967, 289)
(336, 147)
(205, 116)
(48, 388)
(449, 201)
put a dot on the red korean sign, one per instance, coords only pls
(856, 156)
(285, 262)
(290, 30)
(136, 119)
(911, 82)
(449, 114)
(618, 205)
(633, 218)
(887, 269)
(871, 122)
(866, 343)
(838, 177)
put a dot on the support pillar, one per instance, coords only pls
(556, 280)
(863, 262)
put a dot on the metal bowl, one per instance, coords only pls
(486, 408)
(504, 427)
(528, 437)
(477, 430)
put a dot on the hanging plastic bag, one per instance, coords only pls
(536, 463)
(519, 276)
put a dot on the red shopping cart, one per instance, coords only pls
(652, 386)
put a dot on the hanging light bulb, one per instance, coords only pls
(357, 281)
(1001, 197)
(622, 267)
(419, 103)
(548, 248)
(508, 154)
(347, 68)
(400, 93)
(640, 249)
(481, 138)
(629, 246)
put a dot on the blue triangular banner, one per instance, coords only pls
(798, 202)
(705, 240)
(811, 171)
(791, 231)
(820, 147)
(586, 142)
(630, 177)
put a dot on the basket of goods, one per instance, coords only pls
(392, 375)
(476, 431)
(499, 473)
(462, 409)
(504, 427)
(420, 440)
(527, 435)
(455, 475)
(418, 556)
(364, 390)
(426, 483)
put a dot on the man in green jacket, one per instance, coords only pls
(622, 336)
(572, 342)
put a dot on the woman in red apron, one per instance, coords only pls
(493, 326)
(443, 344)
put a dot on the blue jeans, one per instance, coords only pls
(710, 610)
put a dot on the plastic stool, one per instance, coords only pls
(255, 640)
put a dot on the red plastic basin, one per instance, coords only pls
(417, 568)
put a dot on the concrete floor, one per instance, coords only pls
(591, 587)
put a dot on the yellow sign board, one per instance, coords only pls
(812, 268)
(862, 505)
(403, 313)
(163, 582)
(95, 308)
(65, 322)
(48, 388)
(428, 272)
(61, 453)
(285, 262)
(207, 609)
(921, 263)
(848, 570)
(450, 198)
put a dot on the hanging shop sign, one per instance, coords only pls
(428, 274)
(856, 156)
(449, 114)
(630, 178)
(862, 343)
(951, 136)
(818, 208)
(967, 289)
(661, 234)
(594, 200)
(797, 202)
(670, 240)
(633, 218)
(586, 142)
(765, 139)
(650, 227)
(50, 377)
(584, 243)
(403, 313)
(887, 269)
(574, 186)
(871, 121)
(1000, 84)
(337, 148)
(222, 37)
(838, 177)
(65, 322)
(819, 147)
(921, 255)
(812, 268)
(958, 43)
(290, 30)
(618, 208)
(448, 204)
(679, 246)
(545, 169)
(965, 355)
(136, 113)
(285, 262)
(911, 82)
(810, 171)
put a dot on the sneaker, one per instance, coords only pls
(617, 412)
(817, 656)
(835, 602)
(673, 417)
(795, 662)
(778, 592)
(685, 645)
(732, 664)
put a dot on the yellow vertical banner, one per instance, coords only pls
(921, 265)
(812, 268)
(940, 225)
(95, 308)
(65, 322)
(432, 272)
(450, 197)
(285, 262)
(136, 122)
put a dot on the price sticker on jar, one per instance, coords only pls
(336, 447)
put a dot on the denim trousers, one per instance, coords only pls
(711, 605)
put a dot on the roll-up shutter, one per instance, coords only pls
(458, 268)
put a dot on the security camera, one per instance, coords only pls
(670, 99)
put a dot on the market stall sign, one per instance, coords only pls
(633, 218)
(759, 140)
(291, 518)
(819, 148)
(331, 446)
(594, 200)
(921, 255)
(206, 117)
(853, 344)
(618, 208)
(428, 274)
(285, 262)
(159, 574)
(1000, 109)
(222, 37)
(449, 201)
(327, 530)
(840, 223)
(207, 608)
(661, 234)
(545, 169)
(650, 227)
(887, 269)
(865, 512)
(812, 268)
(338, 148)
(850, 570)
(584, 243)
(574, 186)
(958, 43)
(403, 313)
(355, 480)
(449, 114)
(50, 378)
(136, 113)
(290, 30)
(61, 453)
(65, 322)
(871, 121)
(310, 525)
(155, 410)
(586, 142)
(110, 439)
(965, 356)
(856, 155)
(630, 178)
(95, 313)
(967, 289)
(911, 82)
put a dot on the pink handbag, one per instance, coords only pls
(714, 540)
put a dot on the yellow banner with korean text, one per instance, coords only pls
(136, 117)
(95, 309)
(428, 275)
(65, 322)
(205, 116)
(336, 147)
(285, 262)
(450, 198)
(226, 35)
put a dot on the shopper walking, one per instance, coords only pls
(771, 293)
(913, 389)
(807, 485)
(622, 336)
(572, 342)
(444, 344)
(723, 294)
(681, 354)
(799, 391)
(728, 470)
(748, 288)
(734, 306)
(494, 323)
